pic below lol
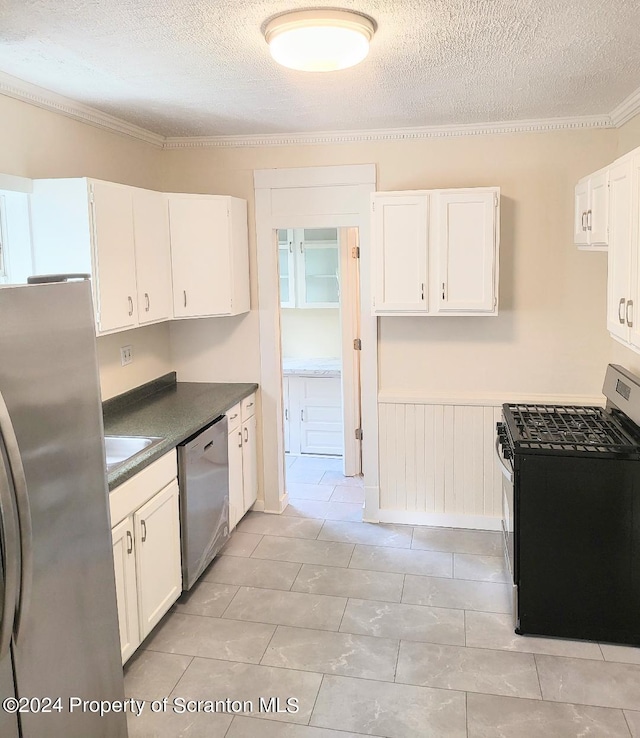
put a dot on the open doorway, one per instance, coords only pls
(319, 330)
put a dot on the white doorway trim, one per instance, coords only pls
(312, 197)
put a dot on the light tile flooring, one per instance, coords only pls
(378, 630)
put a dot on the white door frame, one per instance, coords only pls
(312, 197)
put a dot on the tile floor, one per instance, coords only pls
(388, 631)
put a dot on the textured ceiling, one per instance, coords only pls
(198, 68)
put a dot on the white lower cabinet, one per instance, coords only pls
(146, 550)
(313, 416)
(243, 459)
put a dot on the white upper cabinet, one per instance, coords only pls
(400, 253)
(86, 226)
(620, 249)
(209, 255)
(153, 256)
(309, 265)
(465, 252)
(591, 205)
(435, 252)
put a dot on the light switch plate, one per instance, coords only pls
(126, 355)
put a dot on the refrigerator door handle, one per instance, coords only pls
(24, 514)
(9, 529)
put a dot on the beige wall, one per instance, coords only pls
(550, 336)
(310, 334)
(39, 143)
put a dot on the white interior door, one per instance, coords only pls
(350, 325)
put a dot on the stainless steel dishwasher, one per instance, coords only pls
(203, 474)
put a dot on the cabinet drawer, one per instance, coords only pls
(233, 417)
(248, 407)
(126, 498)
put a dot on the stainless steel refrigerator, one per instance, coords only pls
(58, 617)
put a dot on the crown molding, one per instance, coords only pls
(628, 108)
(47, 100)
(390, 134)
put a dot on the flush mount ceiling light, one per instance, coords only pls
(319, 40)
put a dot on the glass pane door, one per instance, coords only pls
(321, 267)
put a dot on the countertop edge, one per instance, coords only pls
(137, 464)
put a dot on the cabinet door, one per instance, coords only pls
(634, 324)
(580, 208)
(249, 463)
(153, 255)
(318, 275)
(200, 255)
(466, 252)
(286, 263)
(236, 492)
(619, 257)
(113, 243)
(321, 426)
(598, 212)
(400, 253)
(157, 536)
(126, 591)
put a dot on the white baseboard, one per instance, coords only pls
(440, 520)
(258, 505)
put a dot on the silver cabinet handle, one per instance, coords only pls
(443, 297)
(301, 414)
(286, 414)
(291, 247)
(130, 299)
(147, 303)
(233, 417)
(629, 310)
(143, 524)
(129, 542)
(300, 246)
(584, 225)
(184, 292)
(239, 439)
(23, 510)
(9, 529)
(246, 435)
(588, 220)
(620, 310)
(249, 405)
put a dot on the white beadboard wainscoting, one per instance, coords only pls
(437, 458)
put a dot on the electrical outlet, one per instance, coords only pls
(126, 355)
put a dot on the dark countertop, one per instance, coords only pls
(171, 410)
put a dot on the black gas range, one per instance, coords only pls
(571, 514)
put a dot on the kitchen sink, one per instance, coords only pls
(120, 449)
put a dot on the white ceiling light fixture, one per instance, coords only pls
(321, 40)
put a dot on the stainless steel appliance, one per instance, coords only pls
(203, 475)
(58, 617)
(571, 514)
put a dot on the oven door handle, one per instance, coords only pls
(508, 473)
